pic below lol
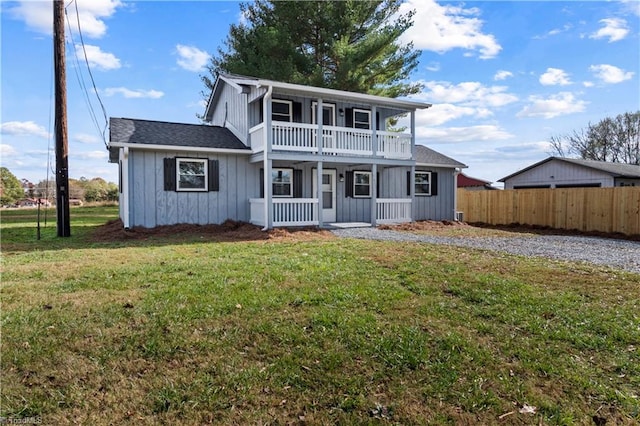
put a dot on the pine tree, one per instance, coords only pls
(347, 45)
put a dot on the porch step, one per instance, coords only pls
(347, 225)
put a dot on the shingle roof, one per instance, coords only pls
(614, 169)
(430, 157)
(133, 131)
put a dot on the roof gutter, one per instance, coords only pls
(151, 147)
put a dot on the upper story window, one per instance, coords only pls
(191, 174)
(328, 114)
(281, 110)
(361, 119)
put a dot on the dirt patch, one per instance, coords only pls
(230, 230)
(426, 225)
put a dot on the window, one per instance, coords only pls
(328, 114)
(282, 182)
(191, 174)
(423, 183)
(361, 184)
(361, 119)
(281, 110)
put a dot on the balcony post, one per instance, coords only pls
(268, 163)
(412, 178)
(320, 122)
(374, 128)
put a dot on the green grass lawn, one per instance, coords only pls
(314, 331)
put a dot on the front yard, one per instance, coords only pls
(189, 327)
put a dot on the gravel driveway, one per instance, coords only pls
(620, 254)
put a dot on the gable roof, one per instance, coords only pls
(428, 157)
(613, 169)
(464, 181)
(238, 81)
(148, 133)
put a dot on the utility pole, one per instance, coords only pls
(62, 145)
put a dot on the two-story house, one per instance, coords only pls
(280, 154)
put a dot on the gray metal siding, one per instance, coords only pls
(563, 174)
(231, 112)
(151, 205)
(437, 207)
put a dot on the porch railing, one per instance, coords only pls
(393, 210)
(286, 211)
(302, 137)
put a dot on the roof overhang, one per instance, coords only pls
(178, 148)
(443, 166)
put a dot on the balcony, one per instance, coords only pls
(301, 137)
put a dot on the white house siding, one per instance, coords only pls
(151, 205)
(231, 112)
(563, 174)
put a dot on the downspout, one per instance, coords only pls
(266, 102)
(455, 194)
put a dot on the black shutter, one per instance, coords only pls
(377, 120)
(261, 119)
(348, 117)
(214, 175)
(261, 183)
(169, 174)
(297, 112)
(408, 183)
(348, 184)
(434, 183)
(297, 183)
(377, 184)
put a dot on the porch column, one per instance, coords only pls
(319, 193)
(374, 194)
(374, 129)
(268, 162)
(412, 178)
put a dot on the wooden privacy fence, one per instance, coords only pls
(585, 209)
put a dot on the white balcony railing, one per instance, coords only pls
(393, 210)
(301, 137)
(286, 211)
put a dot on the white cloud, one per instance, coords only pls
(433, 66)
(23, 128)
(469, 93)
(555, 77)
(86, 139)
(610, 74)
(441, 113)
(440, 28)
(191, 58)
(91, 155)
(430, 135)
(615, 29)
(7, 150)
(38, 15)
(587, 83)
(97, 58)
(128, 93)
(502, 75)
(560, 104)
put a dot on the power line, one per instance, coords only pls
(104, 111)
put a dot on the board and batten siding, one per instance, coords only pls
(563, 174)
(151, 206)
(231, 112)
(441, 206)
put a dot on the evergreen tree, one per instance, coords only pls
(348, 45)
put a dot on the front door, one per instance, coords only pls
(328, 194)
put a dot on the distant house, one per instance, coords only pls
(559, 172)
(473, 184)
(280, 154)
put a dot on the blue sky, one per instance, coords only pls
(503, 76)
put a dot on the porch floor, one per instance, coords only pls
(347, 225)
